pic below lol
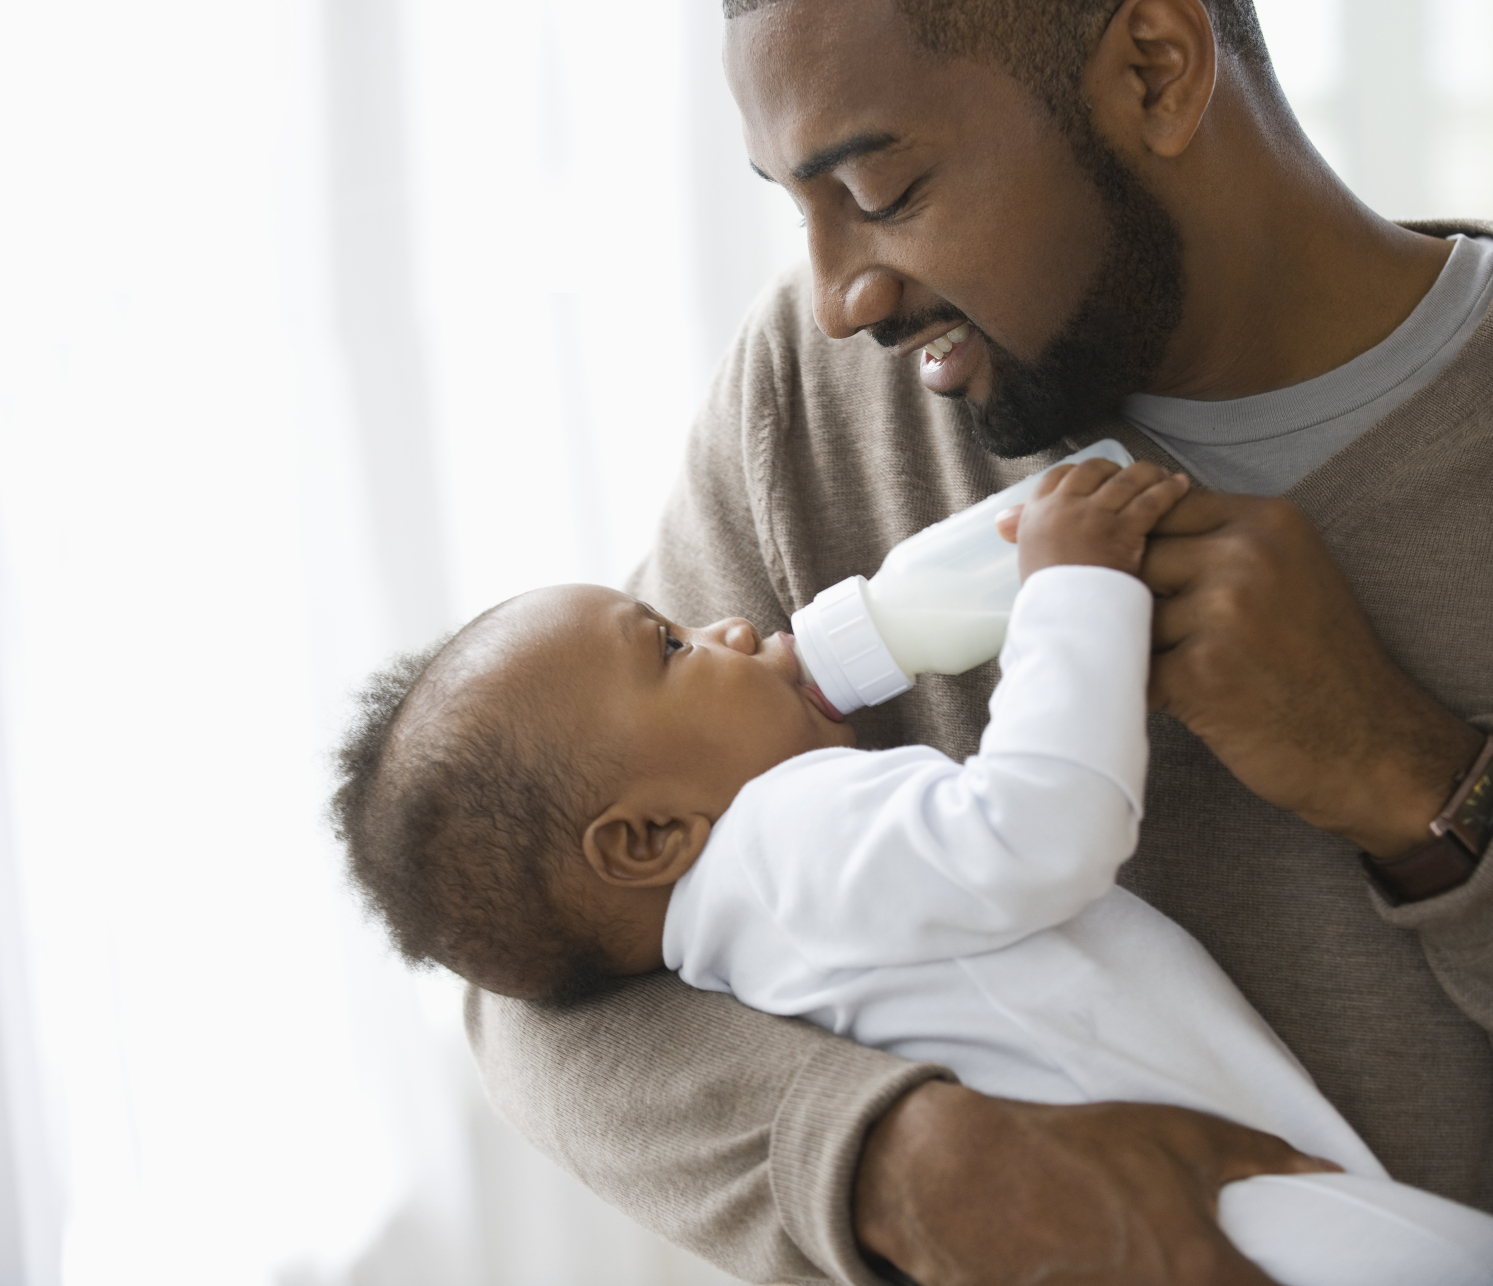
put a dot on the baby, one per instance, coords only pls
(574, 788)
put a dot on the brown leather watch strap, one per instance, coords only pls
(1437, 867)
(1461, 832)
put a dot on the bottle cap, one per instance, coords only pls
(843, 649)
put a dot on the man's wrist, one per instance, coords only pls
(1456, 840)
(888, 1181)
(1399, 797)
(819, 1138)
(876, 1204)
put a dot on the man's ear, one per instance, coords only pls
(1151, 78)
(631, 847)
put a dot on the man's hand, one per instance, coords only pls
(1093, 514)
(958, 1189)
(1262, 652)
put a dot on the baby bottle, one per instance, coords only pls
(939, 604)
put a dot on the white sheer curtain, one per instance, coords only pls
(325, 324)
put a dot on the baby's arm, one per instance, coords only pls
(921, 858)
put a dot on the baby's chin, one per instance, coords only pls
(839, 734)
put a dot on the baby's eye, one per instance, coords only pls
(671, 644)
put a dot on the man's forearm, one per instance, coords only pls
(1391, 792)
(729, 1132)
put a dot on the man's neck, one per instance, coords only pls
(1288, 275)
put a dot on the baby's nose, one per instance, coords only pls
(738, 634)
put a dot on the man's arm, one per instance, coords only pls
(731, 1133)
(1264, 654)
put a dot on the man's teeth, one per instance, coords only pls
(944, 344)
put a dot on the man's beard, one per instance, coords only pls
(1114, 340)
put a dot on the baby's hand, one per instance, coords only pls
(1094, 514)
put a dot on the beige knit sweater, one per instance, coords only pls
(736, 1134)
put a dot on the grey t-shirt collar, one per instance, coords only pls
(1266, 443)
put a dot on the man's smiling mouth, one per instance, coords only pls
(938, 349)
(948, 363)
(948, 360)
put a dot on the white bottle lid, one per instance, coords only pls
(843, 649)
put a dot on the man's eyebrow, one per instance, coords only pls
(824, 161)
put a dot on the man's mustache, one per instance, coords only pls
(898, 330)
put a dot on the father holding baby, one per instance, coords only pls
(1073, 219)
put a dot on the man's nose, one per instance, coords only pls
(736, 633)
(851, 292)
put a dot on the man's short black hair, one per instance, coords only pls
(1045, 44)
(457, 830)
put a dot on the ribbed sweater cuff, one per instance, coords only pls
(1456, 930)
(837, 1096)
(1459, 919)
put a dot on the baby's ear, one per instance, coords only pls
(634, 849)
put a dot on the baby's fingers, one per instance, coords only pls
(1048, 482)
(1083, 479)
(1150, 505)
(1122, 486)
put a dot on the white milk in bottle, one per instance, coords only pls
(939, 604)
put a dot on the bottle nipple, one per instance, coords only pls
(839, 644)
(810, 685)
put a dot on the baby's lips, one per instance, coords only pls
(815, 695)
(822, 701)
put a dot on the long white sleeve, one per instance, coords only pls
(895, 857)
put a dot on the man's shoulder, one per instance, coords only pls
(1457, 401)
(1449, 227)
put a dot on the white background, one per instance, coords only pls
(323, 326)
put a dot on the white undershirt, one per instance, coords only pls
(1264, 445)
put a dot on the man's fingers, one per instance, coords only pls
(1199, 512)
(1243, 1153)
(1174, 564)
(1173, 1177)
(1175, 618)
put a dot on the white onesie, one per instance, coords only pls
(968, 915)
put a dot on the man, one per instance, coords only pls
(1049, 212)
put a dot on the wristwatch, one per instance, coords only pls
(1459, 835)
